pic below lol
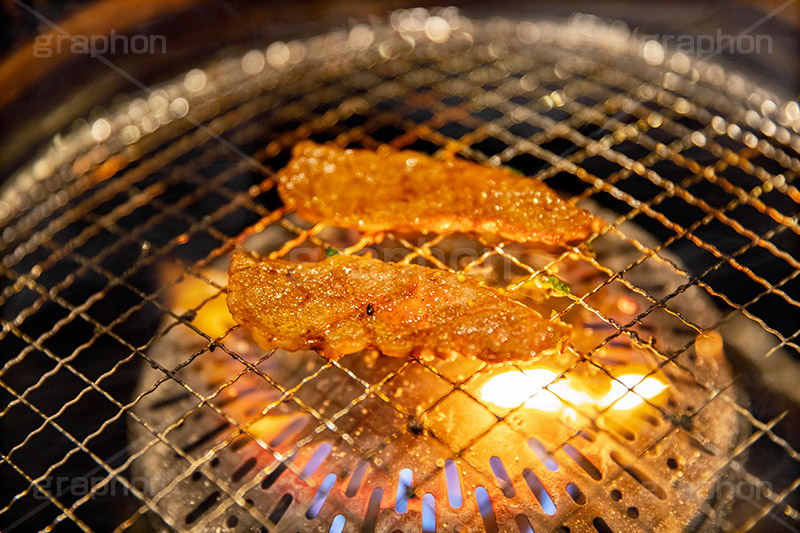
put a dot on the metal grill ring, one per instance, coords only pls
(115, 241)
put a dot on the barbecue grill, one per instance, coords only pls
(138, 404)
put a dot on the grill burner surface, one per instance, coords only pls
(369, 426)
(115, 242)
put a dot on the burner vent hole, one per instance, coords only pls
(356, 478)
(672, 463)
(620, 430)
(170, 401)
(240, 443)
(576, 494)
(453, 483)
(222, 402)
(700, 445)
(232, 522)
(487, 513)
(403, 490)
(601, 526)
(633, 512)
(543, 455)
(523, 524)
(639, 475)
(202, 439)
(652, 420)
(320, 454)
(502, 477)
(583, 462)
(280, 509)
(539, 491)
(203, 507)
(616, 495)
(374, 505)
(428, 513)
(243, 470)
(319, 498)
(338, 524)
(273, 476)
(296, 425)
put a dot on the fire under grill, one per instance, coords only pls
(132, 401)
(456, 444)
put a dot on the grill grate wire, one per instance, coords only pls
(110, 172)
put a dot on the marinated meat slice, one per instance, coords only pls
(384, 190)
(347, 303)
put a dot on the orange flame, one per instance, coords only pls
(539, 388)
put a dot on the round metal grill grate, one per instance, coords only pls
(154, 410)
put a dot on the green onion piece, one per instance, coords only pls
(555, 284)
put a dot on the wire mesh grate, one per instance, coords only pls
(101, 234)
